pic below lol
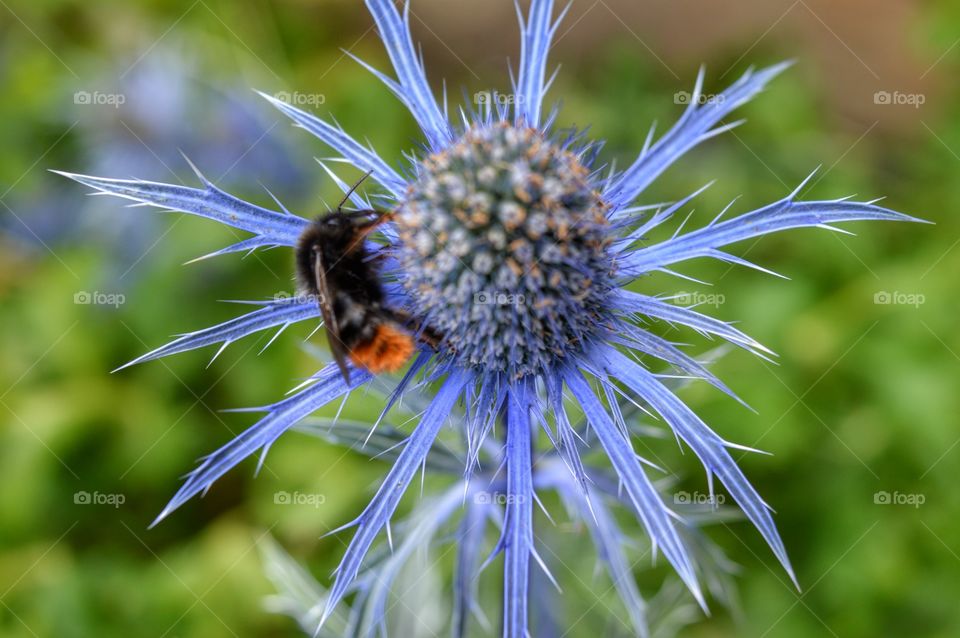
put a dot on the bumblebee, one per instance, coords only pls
(335, 266)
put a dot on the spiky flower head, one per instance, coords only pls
(510, 210)
(505, 249)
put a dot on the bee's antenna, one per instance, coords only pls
(352, 189)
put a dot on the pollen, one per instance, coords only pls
(388, 351)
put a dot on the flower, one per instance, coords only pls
(510, 242)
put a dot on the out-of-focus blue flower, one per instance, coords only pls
(511, 242)
(163, 106)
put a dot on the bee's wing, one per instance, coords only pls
(329, 318)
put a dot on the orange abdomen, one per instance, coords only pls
(389, 349)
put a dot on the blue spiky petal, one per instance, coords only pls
(517, 539)
(377, 514)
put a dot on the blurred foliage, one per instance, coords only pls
(862, 398)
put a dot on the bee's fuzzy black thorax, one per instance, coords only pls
(349, 267)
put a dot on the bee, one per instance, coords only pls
(335, 266)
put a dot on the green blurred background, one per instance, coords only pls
(863, 400)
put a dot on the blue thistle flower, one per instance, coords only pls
(511, 242)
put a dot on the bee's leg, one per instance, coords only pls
(423, 332)
(364, 228)
(382, 217)
(377, 257)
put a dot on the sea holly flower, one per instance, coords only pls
(514, 244)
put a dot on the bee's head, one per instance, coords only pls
(335, 226)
